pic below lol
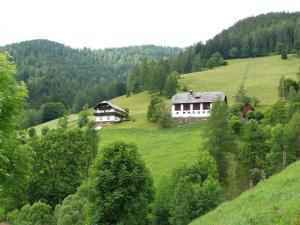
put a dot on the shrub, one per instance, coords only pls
(37, 214)
(121, 188)
(52, 110)
(71, 210)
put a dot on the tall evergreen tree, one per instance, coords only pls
(219, 138)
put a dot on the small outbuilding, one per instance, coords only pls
(108, 113)
(193, 106)
(245, 109)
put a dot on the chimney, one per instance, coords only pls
(191, 92)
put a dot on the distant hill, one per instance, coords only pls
(275, 201)
(262, 35)
(55, 72)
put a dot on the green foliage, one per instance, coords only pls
(159, 112)
(45, 130)
(83, 117)
(268, 203)
(71, 211)
(255, 115)
(31, 132)
(151, 114)
(235, 124)
(61, 162)
(30, 118)
(219, 138)
(294, 133)
(171, 85)
(286, 87)
(188, 193)
(280, 48)
(278, 113)
(284, 54)
(54, 72)
(14, 159)
(63, 122)
(233, 53)
(281, 152)
(255, 145)
(52, 110)
(241, 96)
(37, 214)
(12, 101)
(215, 60)
(81, 99)
(121, 187)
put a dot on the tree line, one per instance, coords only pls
(55, 73)
(266, 34)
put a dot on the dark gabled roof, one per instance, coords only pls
(196, 97)
(111, 104)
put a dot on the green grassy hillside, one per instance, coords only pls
(260, 76)
(275, 201)
(164, 149)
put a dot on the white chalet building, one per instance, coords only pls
(108, 113)
(194, 105)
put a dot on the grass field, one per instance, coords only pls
(259, 75)
(273, 202)
(162, 150)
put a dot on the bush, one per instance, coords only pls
(235, 124)
(71, 211)
(37, 214)
(215, 60)
(151, 114)
(284, 54)
(31, 132)
(121, 189)
(189, 192)
(52, 110)
(45, 130)
(30, 118)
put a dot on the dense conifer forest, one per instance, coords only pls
(54, 72)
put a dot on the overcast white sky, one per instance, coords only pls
(116, 23)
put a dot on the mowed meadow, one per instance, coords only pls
(165, 149)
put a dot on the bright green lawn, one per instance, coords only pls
(162, 150)
(273, 202)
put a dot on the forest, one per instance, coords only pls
(56, 73)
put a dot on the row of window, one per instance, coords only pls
(108, 118)
(196, 106)
(194, 112)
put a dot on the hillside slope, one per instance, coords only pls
(163, 150)
(275, 201)
(259, 75)
(55, 72)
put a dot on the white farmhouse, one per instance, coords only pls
(194, 105)
(109, 113)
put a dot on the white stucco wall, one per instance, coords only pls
(107, 118)
(190, 113)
